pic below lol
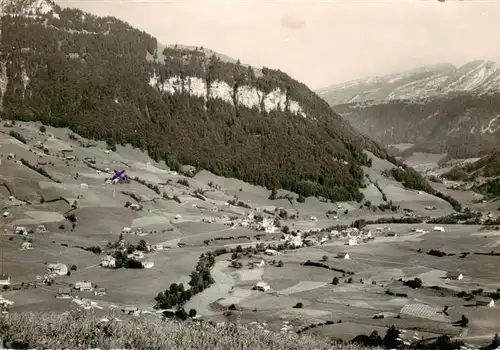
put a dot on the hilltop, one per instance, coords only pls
(106, 80)
(438, 109)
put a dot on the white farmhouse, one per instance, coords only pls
(26, 246)
(262, 286)
(108, 261)
(438, 228)
(21, 230)
(84, 286)
(271, 252)
(4, 280)
(148, 264)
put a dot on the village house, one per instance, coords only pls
(262, 286)
(84, 286)
(126, 230)
(5, 303)
(135, 207)
(136, 255)
(100, 292)
(5, 214)
(26, 246)
(108, 261)
(131, 310)
(343, 255)
(352, 241)
(438, 228)
(4, 280)
(21, 230)
(453, 275)
(271, 252)
(58, 269)
(64, 293)
(148, 264)
(311, 241)
(484, 301)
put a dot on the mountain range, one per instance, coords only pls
(106, 80)
(438, 108)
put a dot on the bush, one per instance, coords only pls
(299, 305)
(192, 313)
(73, 267)
(42, 128)
(414, 283)
(17, 136)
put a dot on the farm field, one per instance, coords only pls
(168, 220)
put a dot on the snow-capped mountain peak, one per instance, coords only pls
(477, 77)
(26, 7)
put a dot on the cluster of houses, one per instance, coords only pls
(82, 286)
(109, 261)
(23, 231)
(254, 222)
(136, 231)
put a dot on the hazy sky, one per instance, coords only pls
(321, 42)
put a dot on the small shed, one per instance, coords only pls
(100, 292)
(258, 263)
(343, 255)
(438, 228)
(484, 301)
(454, 275)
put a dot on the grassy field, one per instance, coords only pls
(80, 330)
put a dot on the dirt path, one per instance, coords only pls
(220, 289)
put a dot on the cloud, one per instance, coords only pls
(292, 22)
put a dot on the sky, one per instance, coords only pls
(319, 42)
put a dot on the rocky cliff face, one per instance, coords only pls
(439, 108)
(106, 80)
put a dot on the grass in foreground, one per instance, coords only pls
(86, 330)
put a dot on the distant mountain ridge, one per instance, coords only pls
(106, 80)
(478, 77)
(437, 108)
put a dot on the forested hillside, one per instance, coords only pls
(96, 76)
